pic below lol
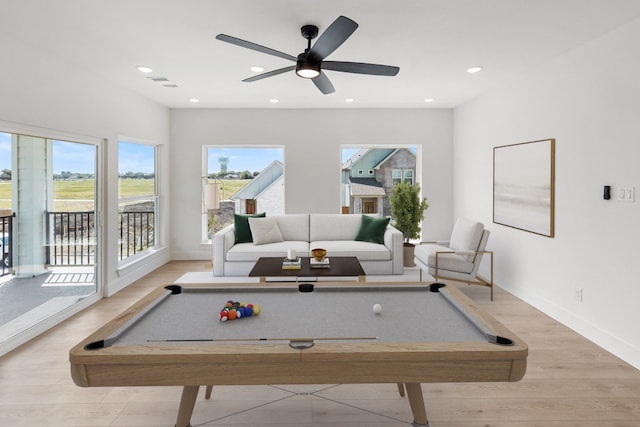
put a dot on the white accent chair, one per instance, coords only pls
(458, 259)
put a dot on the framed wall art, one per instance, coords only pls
(523, 186)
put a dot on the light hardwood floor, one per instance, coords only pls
(569, 382)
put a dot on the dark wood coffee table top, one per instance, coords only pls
(340, 266)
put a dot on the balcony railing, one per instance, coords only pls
(6, 237)
(71, 236)
(137, 232)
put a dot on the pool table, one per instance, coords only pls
(325, 333)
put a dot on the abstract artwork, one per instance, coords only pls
(523, 186)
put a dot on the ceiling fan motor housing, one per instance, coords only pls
(309, 31)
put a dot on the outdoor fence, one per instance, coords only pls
(71, 236)
(6, 238)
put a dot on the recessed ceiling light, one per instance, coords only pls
(474, 70)
(349, 100)
(429, 100)
(274, 100)
(144, 69)
(194, 100)
(257, 69)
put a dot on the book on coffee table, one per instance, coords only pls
(292, 264)
(313, 263)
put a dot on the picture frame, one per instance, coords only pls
(524, 186)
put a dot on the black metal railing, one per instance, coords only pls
(6, 243)
(137, 232)
(71, 236)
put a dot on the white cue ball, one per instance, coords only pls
(377, 308)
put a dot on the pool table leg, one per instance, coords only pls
(416, 401)
(188, 401)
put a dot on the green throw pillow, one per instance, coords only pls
(372, 229)
(241, 225)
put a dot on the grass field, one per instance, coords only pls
(79, 195)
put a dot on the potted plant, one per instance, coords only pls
(407, 210)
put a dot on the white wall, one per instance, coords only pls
(311, 141)
(44, 95)
(589, 100)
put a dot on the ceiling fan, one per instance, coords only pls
(310, 63)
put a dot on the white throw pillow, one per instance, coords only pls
(265, 230)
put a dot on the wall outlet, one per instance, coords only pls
(577, 294)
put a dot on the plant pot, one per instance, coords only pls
(409, 250)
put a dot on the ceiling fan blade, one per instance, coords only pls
(333, 37)
(361, 68)
(270, 74)
(254, 46)
(323, 83)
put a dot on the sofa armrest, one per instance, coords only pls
(223, 240)
(394, 241)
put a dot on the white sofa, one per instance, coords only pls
(303, 232)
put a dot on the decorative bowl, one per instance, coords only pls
(318, 253)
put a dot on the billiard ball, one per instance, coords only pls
(377, 308)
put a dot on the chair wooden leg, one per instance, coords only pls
(401, 389)
(207, 392)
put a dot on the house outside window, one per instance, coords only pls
(250, 180)
(384, 166)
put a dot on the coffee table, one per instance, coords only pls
(348, 266)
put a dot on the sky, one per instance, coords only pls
(241, 159)
(5, 151)
(80, 158)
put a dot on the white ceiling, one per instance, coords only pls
(432, 41)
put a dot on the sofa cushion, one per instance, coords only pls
(427, 254)
(251, 252)
(372, 229)
(365, 251)
(294, 226)
(241, 226)
(334, 226)
(265, 230)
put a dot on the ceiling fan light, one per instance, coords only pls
(308, 73)
(306, 67)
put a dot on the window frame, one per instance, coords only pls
(154, 197)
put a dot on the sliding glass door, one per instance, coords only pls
(49, 195)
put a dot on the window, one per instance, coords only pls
(402, 175)
(407, 176)
(396, 176)
(369, 172)
(250, 180)
(137, 198)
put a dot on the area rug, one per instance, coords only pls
(411, 274)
